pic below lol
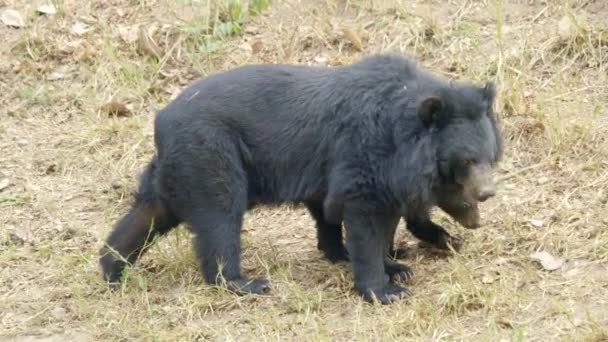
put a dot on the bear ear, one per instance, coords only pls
(428, 110)
(489, 92)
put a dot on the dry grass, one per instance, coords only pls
(71, 168)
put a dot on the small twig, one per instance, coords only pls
(520, 171)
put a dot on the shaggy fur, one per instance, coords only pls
(364, 144)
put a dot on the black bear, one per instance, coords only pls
(366, 143)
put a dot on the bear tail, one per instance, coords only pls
(148, 218)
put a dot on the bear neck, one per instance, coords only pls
(414, 174)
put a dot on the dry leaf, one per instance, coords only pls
(548, 261)
(59, 313)
(251, 29)
(128, 33)
(257, 46)
(80, 28)
(116, 108)
(509, 186)
(537, 223)
(174, 90)
(4, 184)
(59, 73)
(48, 9)
(55, 75)
(246, 47)
(146, 45)
(501, 261)
(353, 38)
(320, 59)
(88, 52)
(487, 279)
(566, 28)
(12, 18)
(16, 239)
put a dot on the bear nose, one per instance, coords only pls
(486, 193)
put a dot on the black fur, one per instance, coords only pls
(361, 142)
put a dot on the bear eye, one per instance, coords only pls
(469, 162)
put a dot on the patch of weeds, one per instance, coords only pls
(9, 201)
(457, 299)
(510, 71)
(302, 301)
(132, 76)
(257, 6)
(36, 96)
(30, 46)
(468, 26)
(425, 313)
(519, 335)
(133, 279)
(224, 20)
(579, 41)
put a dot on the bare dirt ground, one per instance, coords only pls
(68, 168)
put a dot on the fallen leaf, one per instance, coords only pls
(59, 73)
(128, 33)
(80, 28)
(4, 184)
(48, 9)
(146, 45)
(251, 29)
(321, 59)
(12, 18)
(55, 75)
(505, 324)
(51, 169)
(487, 279)
(59, 313)
(15, 239)
(174, 90)
(548, 261)
(501, 261)
(354, 39)
(537, 223)
(116, 108)
(572, 273)
(246, 47)
(87, 52)
(542, 180)
(566, 28)
(257, 46)
(509, 186)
